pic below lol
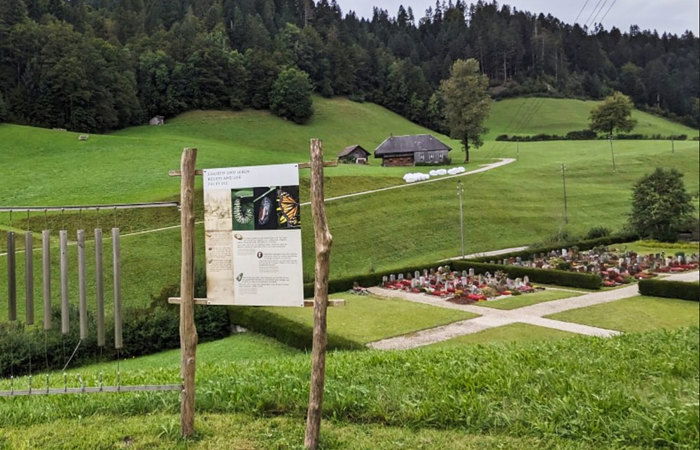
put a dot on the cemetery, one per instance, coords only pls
(462, 287)
(615, 266)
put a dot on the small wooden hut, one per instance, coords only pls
(353, 154)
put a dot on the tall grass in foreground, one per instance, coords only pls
(636, 389)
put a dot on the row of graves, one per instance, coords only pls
(463, 287)
(614, 267)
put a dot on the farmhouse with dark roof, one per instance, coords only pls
(412, 150)
(353, 154)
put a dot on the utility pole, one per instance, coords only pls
(672, 147)
(517, 151)
(460, 191)
(612, 152)
(563, 180)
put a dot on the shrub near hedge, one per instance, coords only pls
(558, 277)
(670, 289)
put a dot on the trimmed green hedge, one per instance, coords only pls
(287, 331)
(670, 289)
(585, 244)
(558, 277)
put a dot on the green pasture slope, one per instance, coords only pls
(535, 115)
(512, 205)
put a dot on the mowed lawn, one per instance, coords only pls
(516, 333)
(366, 318)
(635, 314)
(518, 301)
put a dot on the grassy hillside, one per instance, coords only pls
(527, 116)
(517, 204)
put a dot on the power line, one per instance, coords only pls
(582, 8)
(606, 12)
(591, 15)
(598, 13)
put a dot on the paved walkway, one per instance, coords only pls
(490, 317)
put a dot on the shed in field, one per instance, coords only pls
(411, 150)
(353, 154)
(157, 120)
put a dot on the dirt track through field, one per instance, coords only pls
(491, 318)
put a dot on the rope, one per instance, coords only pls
(71, 356)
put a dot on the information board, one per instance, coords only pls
(253, 236)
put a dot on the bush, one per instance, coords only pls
(598, 232)
(558, 277)
(581, 135)
(670, 289)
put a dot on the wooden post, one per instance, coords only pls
(65, 321)
(11, 278)
(117, 289)
(323, 240)
(188, 331)
(46, 276)
(99, 289)
(29, 277)
(82, 286)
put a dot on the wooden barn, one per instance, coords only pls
(353, 154)
(412, 150)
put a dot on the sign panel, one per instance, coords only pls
(253, 236)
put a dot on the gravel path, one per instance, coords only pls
(490, 317)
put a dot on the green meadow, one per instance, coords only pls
(517, 204)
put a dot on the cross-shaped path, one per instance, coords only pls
(490, 317)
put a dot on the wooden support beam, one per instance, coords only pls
(323, 240)
(208, 301)
(188, 331)
(304, 165)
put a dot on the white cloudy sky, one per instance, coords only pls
(674, 16)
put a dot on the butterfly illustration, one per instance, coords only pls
(288, 209)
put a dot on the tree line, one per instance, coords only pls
(97, 65)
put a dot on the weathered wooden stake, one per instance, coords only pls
(188, 331)
(29, 277)
(65, 322)
(46, 276)
(116, 256)
(99, 289)
(82, 286)
(323, 240)
(11, 278)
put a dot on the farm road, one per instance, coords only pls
(483, 168)
(490, 317)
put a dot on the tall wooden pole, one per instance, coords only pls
(188, 331)
(323, 240)
(563, 180)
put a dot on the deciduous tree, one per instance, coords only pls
(467, 104)
(613, 114)
(290, 96)
(660, 205)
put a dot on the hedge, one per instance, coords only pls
(670, 289)
(585, 244)
(287, 331)
(558, 277)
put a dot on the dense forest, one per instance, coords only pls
(97, 65)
